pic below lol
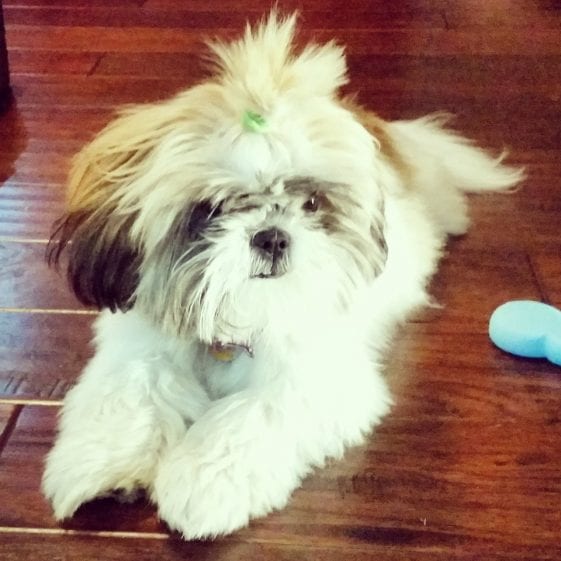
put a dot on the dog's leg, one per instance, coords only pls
(249, 451)
(128, 405)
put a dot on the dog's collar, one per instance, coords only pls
(227, 352)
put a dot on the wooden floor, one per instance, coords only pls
(468, 465)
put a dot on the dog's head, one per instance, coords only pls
(255, 190)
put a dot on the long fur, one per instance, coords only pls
(164, 210)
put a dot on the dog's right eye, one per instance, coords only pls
(201, 214)
(312, 204)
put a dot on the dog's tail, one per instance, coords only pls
(445, 165)
(465, 166)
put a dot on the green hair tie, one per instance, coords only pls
(253, 122)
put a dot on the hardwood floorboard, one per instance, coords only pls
(465, 302)
(90, 548)
(8, 418)
(542, 226)
(548, 270)
(40, 167)
(427, 347)
(520, 15)
(416, 8)
(91, 92)
(41, 354)
(520, 73)
(22, 467)
(182, 66)
(25, 281)
(71, 4)
(30, 62)
(426, 42)
(226, 18)
(62, 124)
(28, 210)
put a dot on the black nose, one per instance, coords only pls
(273, 242)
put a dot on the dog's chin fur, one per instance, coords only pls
(164, 209)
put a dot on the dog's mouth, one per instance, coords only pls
(277, 268)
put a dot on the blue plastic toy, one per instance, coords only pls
(527, 328)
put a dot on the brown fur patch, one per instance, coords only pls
(378, 128)
(102, 264)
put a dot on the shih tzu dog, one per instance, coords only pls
(252, 243)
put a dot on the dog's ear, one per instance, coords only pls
(102, 264)
(93, 238)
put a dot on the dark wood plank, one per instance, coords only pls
(5, 92)
(8, 418)
(30, 62)
(543, 227)
(426, 42)
(414, 7)
(422, 347)
(28, 210)
(90, 92)
(27, 282)
(6, 411)
(60, 129)
(22, 467)
(473, 280)
(42, 142)
(42, 354)
(518, 14)
(182, 66)
(13, 140)
(475, 74)
(495, 224)
(102, 39)
(184, 16)
(72, 4)
(41, 167)
(87, 548)
(548, 270)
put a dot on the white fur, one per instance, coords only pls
(218, 443)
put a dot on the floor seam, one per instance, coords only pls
(537, 280)
(10, 427)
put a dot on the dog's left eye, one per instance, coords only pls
(201, 214)
(312, 204)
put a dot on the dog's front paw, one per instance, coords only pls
(68, 482)
(205, 499)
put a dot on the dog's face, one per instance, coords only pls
(213, 229)
(229, 260)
